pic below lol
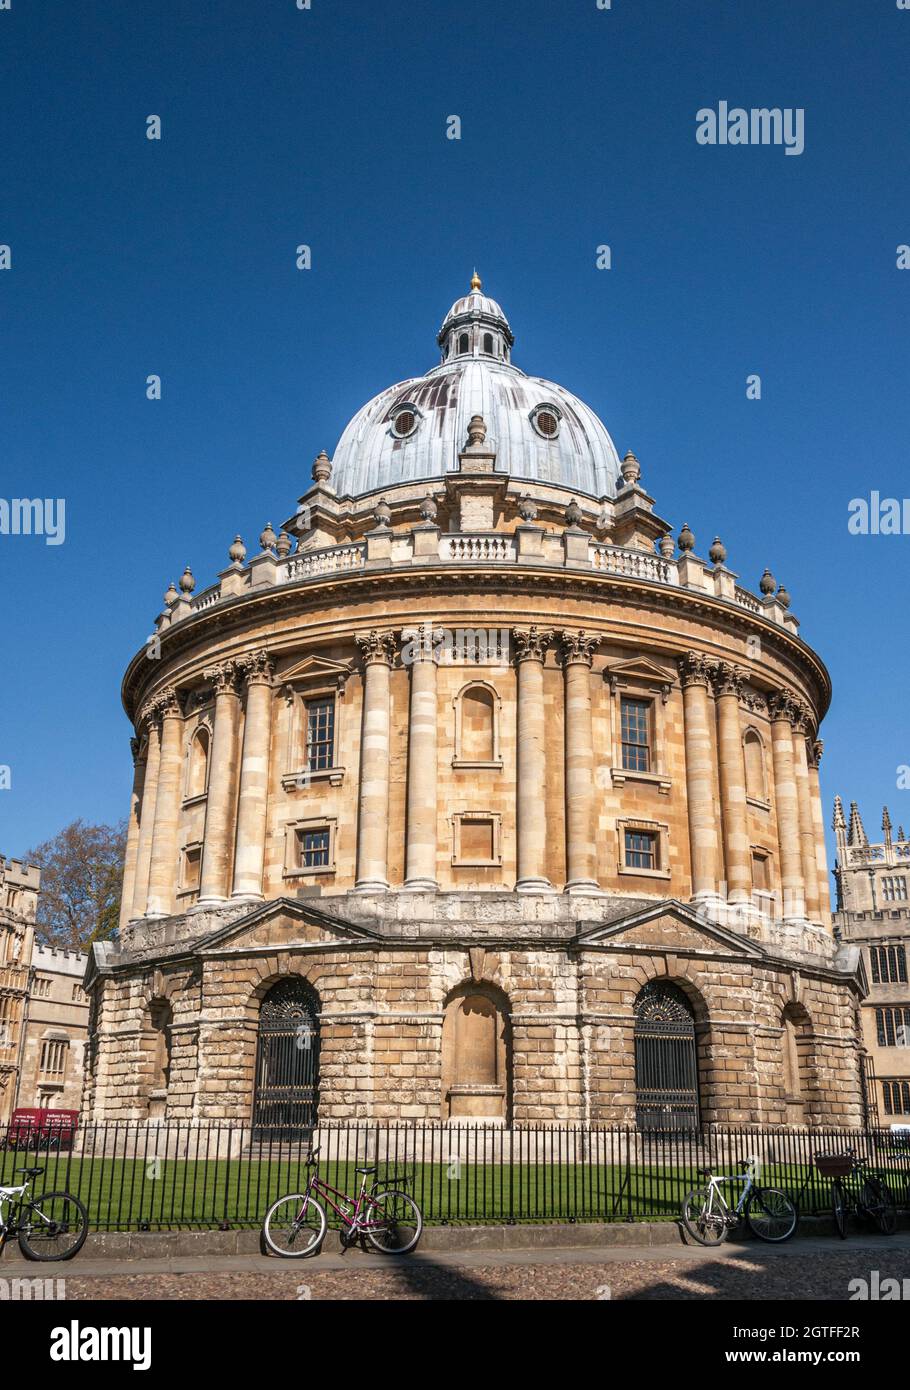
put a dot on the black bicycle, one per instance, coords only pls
(854, 1186)
(50, 1227)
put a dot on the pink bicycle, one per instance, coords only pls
(295, 1225)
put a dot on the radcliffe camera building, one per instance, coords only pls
(476, 782)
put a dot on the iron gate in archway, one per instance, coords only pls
(286, 1093)
(666, 1062)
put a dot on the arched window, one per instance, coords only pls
(754, 755)
(463, 343)
(476, 1055)
(286, 1095)
(197, 772)
(477, 716)
(666, 1063)
(488, 343)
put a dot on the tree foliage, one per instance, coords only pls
(81, 882)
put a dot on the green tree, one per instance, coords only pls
(81, 882)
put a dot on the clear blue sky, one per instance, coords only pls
(327, 127)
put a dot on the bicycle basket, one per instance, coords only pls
(835, 1165)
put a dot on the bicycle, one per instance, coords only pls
(295, 1225)
(50, 1227)
(709, 1218)
(853, 1185)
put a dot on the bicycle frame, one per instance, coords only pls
(316, 1185)
(714, 1184)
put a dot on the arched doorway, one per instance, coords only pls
(666, 1062)
(286, 1095)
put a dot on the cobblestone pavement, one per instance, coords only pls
(822, 1271)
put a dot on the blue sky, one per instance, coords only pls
(327, 127)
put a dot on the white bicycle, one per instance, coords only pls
(709, 1218)
(50, 1227)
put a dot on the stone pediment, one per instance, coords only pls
(283, 923)
(316, 670)
(639, 670)
(667, 926)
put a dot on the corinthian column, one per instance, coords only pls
(821, 855)
(695, 674)
(728, 687)
(377, 650)
(151, 716)
(531, 810)
(163, 866)
(804, 805)
(253, 798)
(132, 835)
(214, 883)
(577, 651)
(420, 859)
(782, 709)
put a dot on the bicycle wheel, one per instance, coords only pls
(394, 1222)
(879, 1205)
(770, 1214)
(294, 1226)
(704, 1226)
(839, 1208)
(53, 1227)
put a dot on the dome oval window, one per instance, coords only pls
(545, 420)
(404, 422)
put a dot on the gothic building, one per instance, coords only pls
(873, 913)
(475, 795)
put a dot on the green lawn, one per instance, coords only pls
(167, 1194)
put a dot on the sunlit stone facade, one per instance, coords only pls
(500, 773)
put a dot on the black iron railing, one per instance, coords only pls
(169, 1176)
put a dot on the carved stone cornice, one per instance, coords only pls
(695, 669)
(376, 648)
(577, 648)
(224, 678)
(728, 679)
(755, 701)
(256, 668)
(530, 643)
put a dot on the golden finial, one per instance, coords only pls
(476, 283)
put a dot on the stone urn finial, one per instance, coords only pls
(187, 582)
(631, 468)
(237, 551)
(686, 540)
(477, 431)
(382, 512)
(718, 552)
(666, 545)
(527, 507)
(767, 583)
(322, 467)
(574, 514)
(429, 509)
(783, 596)
(171, 595)
(267, 538)
(283, 545)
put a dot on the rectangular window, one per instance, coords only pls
(313, 847)
(635, 718)
(641, 849)
(894, 890)
(192, 868)
(320, 734)
(476, 839)
(53, 1057)
(761, 878)
(893, 1026)
(41, 987)
(889, 965)
(896, 1095)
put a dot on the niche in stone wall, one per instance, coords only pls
(476, 1055)
(477, 719)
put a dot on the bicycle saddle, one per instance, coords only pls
(370, 1169)
(703, 1172)
(30, 1172)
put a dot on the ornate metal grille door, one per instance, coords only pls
(286, 1093)
(666, 1065)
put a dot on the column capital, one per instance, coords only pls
(376, 648)
(782, 706)
(223, 677)
(256, 668)
(728, 679)
(420, 643)
(816, 749)
(167, 703)
(531, 643)
(136, 750)
(577, 648)
(802, 718)
(695, 669)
